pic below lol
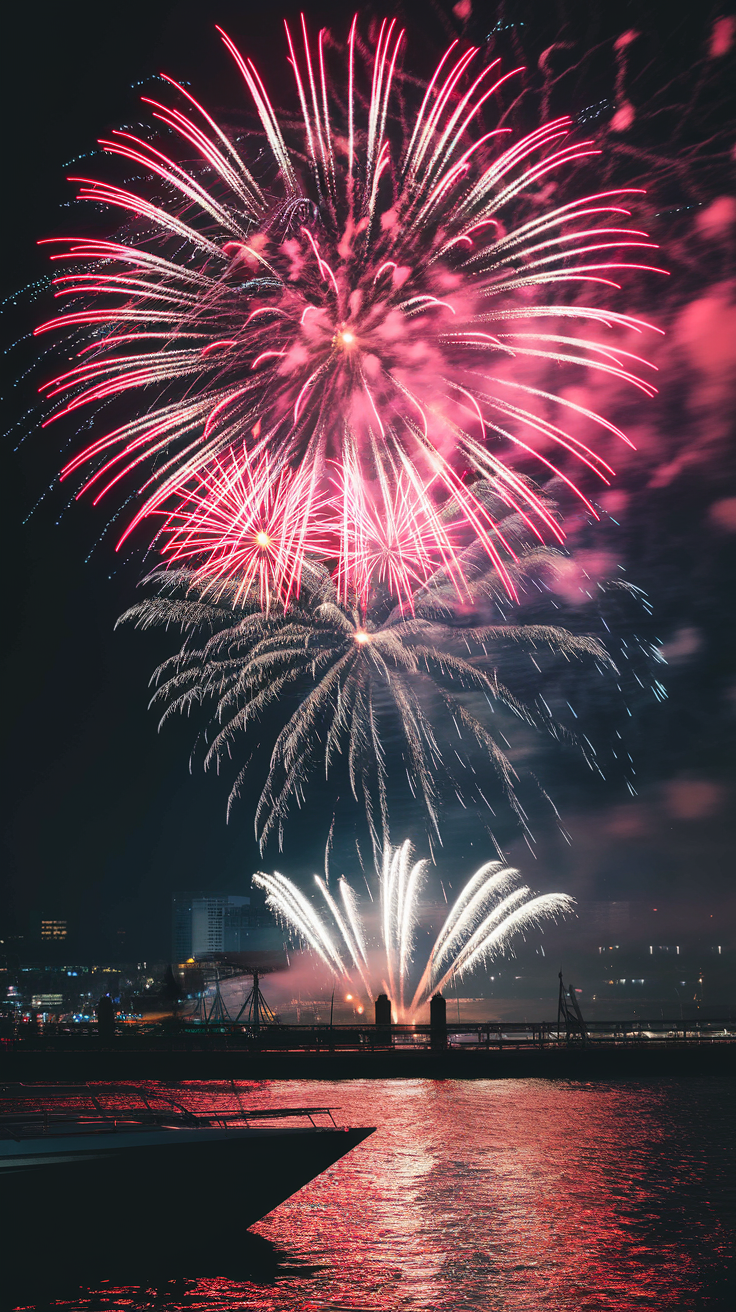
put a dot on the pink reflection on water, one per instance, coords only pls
(500, 1196)
(513, 1194)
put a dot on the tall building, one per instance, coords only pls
(206, 924)
(216, 923)
(53, 931)
(50, 934)
(181, 925)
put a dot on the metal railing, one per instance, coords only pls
(485, 1036)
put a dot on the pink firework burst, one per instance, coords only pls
(393, 536)
(371, 297)
(241, 521)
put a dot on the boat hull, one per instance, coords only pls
(158, 1195)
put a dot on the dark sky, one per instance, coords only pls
(103, 819)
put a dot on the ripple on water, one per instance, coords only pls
(491, 1195)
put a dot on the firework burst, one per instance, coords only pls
(493, 907)
(344, 679)
(243, 523)
(359, 299)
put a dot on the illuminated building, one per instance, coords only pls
(47, 1001)
(54, 930)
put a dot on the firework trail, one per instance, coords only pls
(400, 884)
(349, 675)
(491, 909)
(355, 303)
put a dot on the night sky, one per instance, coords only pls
(103, 818)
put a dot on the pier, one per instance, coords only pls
(181, 1050)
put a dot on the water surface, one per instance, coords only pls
(490, 1196)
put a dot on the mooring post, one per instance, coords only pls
(383, 1021)
(105, 1020)
(437, 1022)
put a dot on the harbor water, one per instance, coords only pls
(490, 1196)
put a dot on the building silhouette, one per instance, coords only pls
(218, 924)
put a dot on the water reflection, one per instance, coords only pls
(85, 1282)
(506, 1196)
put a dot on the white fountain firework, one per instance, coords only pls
(493, 906)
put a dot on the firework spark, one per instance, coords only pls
(492, 908)
(361, 301)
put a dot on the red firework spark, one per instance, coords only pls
(361, 303)
(242, 521)
(396, 538)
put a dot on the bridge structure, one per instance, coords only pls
(216, 1050)
(211, 1042)
(216, 1028)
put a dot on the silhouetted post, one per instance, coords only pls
(383, 1021)
(172, 988)
(568, 1012)
(438, 1021)
(256, 1002)
(105, 1019)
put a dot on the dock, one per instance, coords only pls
(180, 1050)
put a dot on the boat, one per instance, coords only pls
(127, 1175)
